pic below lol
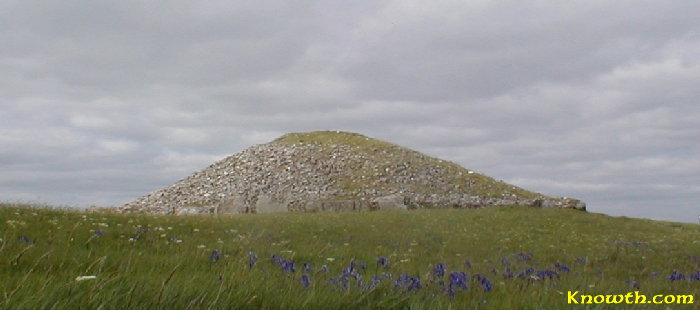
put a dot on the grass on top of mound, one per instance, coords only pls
(386, 156)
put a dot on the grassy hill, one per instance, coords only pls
(512, 257)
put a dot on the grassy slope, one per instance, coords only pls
(155, 273)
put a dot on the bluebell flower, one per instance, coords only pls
(546, 274)
(288, 266)
(277, 260)
(439, 270)
(307, 268)
(305, 280)
(344, 281)
(525, 273)
(633, 283)
(401, 280)
(99, 232)
(324, 268)
(582, 260)
(362, 265)
(374, 282)
(408, 283)
(695, 276)
(24, 238)
(675, 276)
(215, 256)
(561, 267)
(485, 282)
(383, 262)
(458, 279)
(507, 274)
(468, 264)
(414, 284)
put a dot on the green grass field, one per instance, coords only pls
(513, 257)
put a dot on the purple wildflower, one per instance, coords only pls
(414, 285)
(99, 232)
(507, 274)
(324, 268)
(633, 283)
(525, 273)
(307, 268)
(695, 276)
(362, 265)
(561, 267)
(288, 266)
(407, 282)
(305, 280)
(24, 238)
(215, 256)
(401, 280)
(439, 270)
(383, 262)
(458, 279)
(468, 264)
(375, 281)
(581, 260)
(485, 282)
(277, 260)
(675, 276)
(252, 259)
(547, 274)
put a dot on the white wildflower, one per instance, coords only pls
(81, 278)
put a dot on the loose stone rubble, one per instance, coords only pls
(334, 175)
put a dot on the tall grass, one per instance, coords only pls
(165, 262)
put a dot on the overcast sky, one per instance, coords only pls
(104, 101)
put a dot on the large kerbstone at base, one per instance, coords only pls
(265, 204)
(389, 202)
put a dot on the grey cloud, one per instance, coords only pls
(105, 101)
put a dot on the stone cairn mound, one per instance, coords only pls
(334, 171)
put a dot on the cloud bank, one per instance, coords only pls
(103, 102)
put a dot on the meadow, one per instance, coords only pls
(490, 258)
